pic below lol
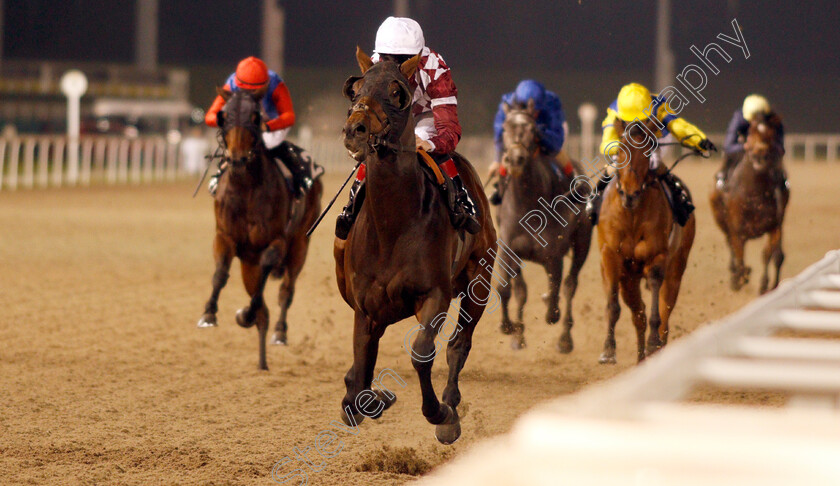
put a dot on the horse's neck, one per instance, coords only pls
(255, 176)
(537, 180)
(395, 189)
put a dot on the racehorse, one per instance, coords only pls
(533, 177)
(402, 257)
(639, 238)
(257, 220)
(753, 201)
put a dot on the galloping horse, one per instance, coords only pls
(257, 221)
(402, 257)
(638, 237)
(753, 201)
(532, 177)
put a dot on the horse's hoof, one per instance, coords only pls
(241, 315)
(357, 419)
(384, 398)
(607, 358)
(652, 347)
(517, 342)
(565, 344)
(262, 367)
(552, 316)
(207, 320)
(506, 328)
(279, 339)
(449, 430)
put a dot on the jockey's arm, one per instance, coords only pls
(685, 132)
(737, 128)
(609, 134)
(282, 100)
(211, 117)
(498, 125)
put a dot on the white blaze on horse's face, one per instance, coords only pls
(520, 138)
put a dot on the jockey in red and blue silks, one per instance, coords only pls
(551, 125)
(252, 75)
(435, 110)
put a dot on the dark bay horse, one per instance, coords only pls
(567, 227)
(639, 238)
(402, 257)
(753, 202)
(256, 221)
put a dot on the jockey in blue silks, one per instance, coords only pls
(551, 124)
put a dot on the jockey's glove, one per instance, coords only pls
(707, 145)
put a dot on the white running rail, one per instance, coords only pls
(641, 428)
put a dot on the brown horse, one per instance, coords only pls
(256, 221)
(639, 237)
(534, 184)
(753, 201)
(402, 257)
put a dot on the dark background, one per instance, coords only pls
(583, 50)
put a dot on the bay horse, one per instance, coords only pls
(532, 178)
(753, 201)
(256, 221)
(639, 238)
(402, 257)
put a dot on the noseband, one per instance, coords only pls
(380, 139)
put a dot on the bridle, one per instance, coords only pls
(232, 121)
(533, 149)
(374, 110)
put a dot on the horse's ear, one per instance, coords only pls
(532, 107)
(349, 89)
(506, 108)
(409, 67)
(363, 59)
(225, 94)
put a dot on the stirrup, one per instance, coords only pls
(464, 215)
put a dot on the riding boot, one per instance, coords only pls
(301, 178)
(729, 161)
(347, 217)
(498, 191)
(677, 195)
(463, 213)
(593, 206)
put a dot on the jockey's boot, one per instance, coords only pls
(347, 217)
(729, 161)
(593, 206)
(301, 178)
(463, 214)
(498, 191)
(676, 194)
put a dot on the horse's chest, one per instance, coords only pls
(249, 224)
(386, 297)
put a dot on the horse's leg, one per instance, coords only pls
(358, 379)
(632, 295)
(740, 273)
(223, 251)
(520, 290)
(504, 293)
(655, 272)
(580, 250)
(294, 264)
(610, 273)
(554, 268)
(778, 254)
(673, 279)
(422, 357)
(255, 278)
(257, 310)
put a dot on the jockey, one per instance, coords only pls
(736, 134)
(252, 75)
(551, 126)
(435, 110)
(635, 102)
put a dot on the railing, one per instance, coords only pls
(44, 161)
(648, 426)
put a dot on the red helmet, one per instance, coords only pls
(251, 73)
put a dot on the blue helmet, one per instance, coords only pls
(529, 89)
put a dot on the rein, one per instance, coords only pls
(376, 140)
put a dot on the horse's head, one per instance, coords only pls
(760, 147)
(381, 108)
(631, 163)
(241, 127)
(519, 134)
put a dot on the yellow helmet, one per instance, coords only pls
(632, 101)
(754, 104)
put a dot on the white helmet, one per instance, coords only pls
(399, 35)
(754, 104)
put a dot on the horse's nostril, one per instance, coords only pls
(361, 128)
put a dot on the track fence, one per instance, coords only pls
(650, 425)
